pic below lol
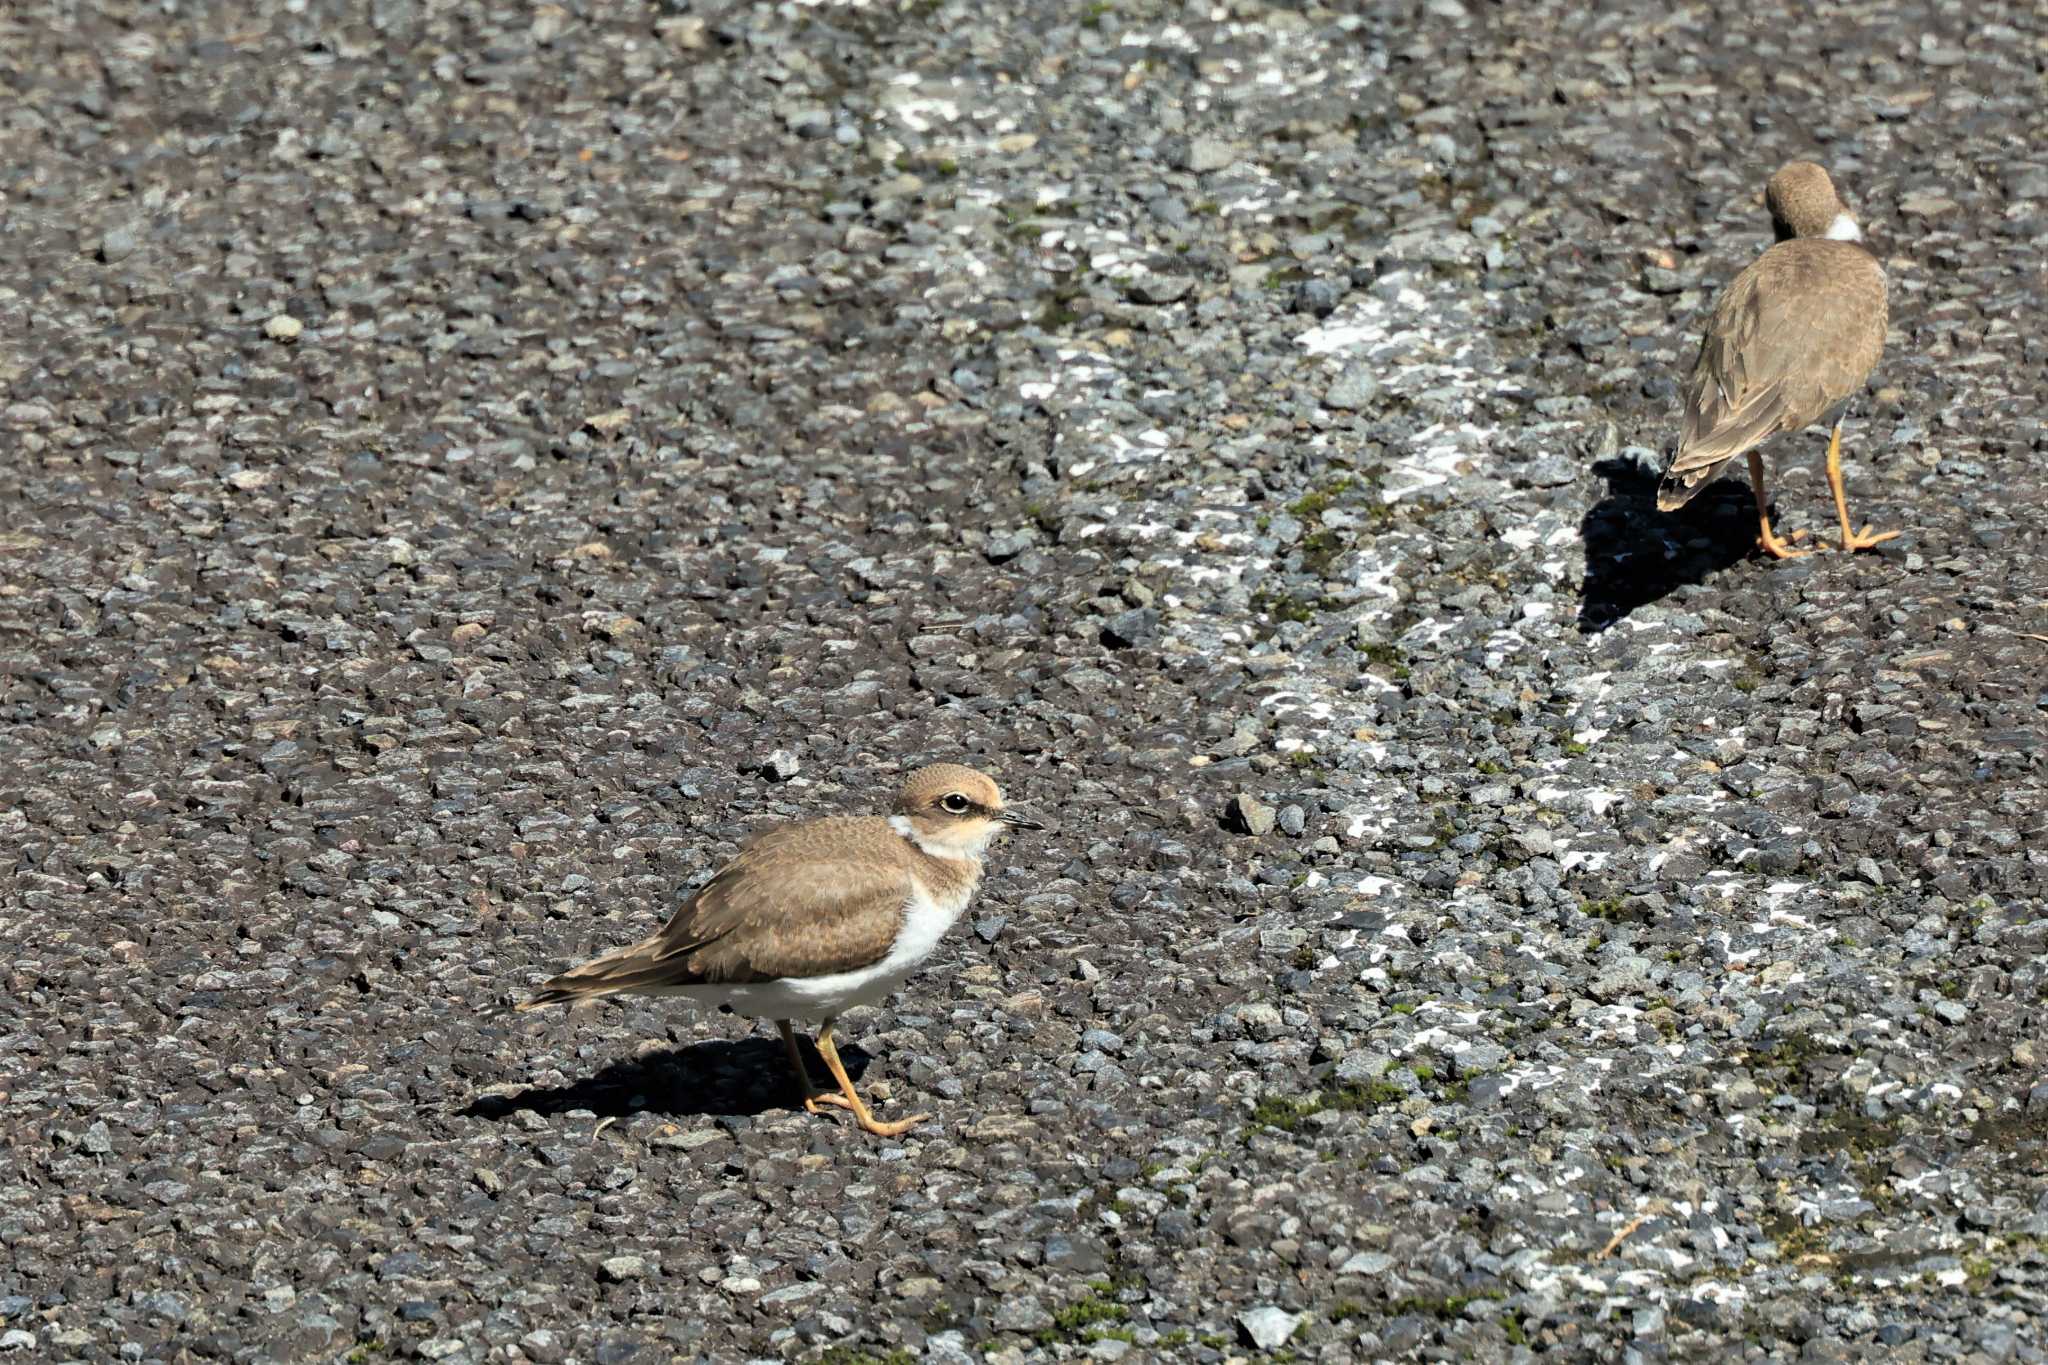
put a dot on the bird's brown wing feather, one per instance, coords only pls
(740, 928)
(1793, 335)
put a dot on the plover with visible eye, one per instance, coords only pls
(812, 919)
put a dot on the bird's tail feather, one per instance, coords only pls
(1677, 487)
(633, 967)
(1674, 493)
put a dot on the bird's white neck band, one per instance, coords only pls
(969, 852)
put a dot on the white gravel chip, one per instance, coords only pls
(1267, 1327)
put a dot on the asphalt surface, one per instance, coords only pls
(463, 467)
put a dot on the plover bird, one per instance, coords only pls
(814, 918)
(1790, 342)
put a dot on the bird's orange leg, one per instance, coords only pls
(1851, 540)
(1768, 542)
(830, 1052)
(813, 1097)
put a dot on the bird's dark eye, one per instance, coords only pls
(954, 802)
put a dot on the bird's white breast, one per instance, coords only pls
(926, 918)
(925, 921)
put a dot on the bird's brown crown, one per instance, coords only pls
(926, 792)
(1803, 201)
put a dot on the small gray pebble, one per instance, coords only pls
(1128, 629)
(1207, 154)
(1353, 389)
(120, 242)
(1317, 298)
(1249, 815)
(1008, 545)
(1157, 289)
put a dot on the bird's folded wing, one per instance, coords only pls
(796, 916)
(769, 913)
(1792, 336)
(1720, 427)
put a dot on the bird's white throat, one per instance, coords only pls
(968, 849)
(1844, 229)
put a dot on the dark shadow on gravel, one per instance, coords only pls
(718, 1077)
(1636, 555)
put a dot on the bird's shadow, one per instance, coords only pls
(1636, 555)
(719, 1077)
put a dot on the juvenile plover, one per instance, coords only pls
(1790, 341)
(814, 918)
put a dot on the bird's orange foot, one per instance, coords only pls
(869, 1123)
(1781, 548)
(1863, 540)
(866, 1121)
(847, 1098)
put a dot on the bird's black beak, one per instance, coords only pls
(1018, 819)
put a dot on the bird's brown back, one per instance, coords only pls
(1795, 334)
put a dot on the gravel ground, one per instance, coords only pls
(466, 465)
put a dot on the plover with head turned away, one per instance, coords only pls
(1790, 341)
(812, 919)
